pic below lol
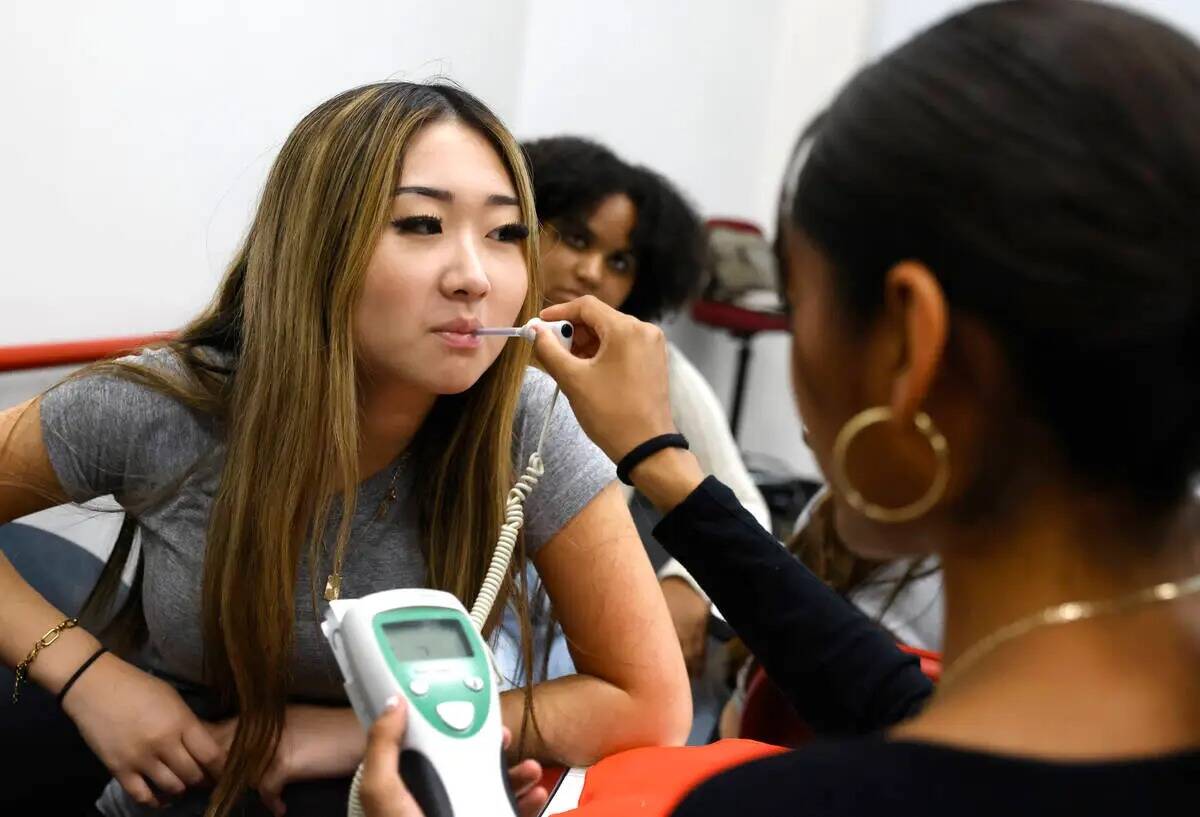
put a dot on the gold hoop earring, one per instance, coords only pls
(854, 498)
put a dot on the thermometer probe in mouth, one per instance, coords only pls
(563, 331)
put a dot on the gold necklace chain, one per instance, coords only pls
(1067, 613)
(333, 584)
(390, 496)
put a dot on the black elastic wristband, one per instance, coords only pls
(82, 669)
(652, 446)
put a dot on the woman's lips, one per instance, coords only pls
(460, 340)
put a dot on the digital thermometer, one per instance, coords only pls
(420, 644)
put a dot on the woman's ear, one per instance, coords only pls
(914, 296)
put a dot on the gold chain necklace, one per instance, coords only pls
(1067, 613)
(333, 585)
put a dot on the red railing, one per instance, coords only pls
(45, 355)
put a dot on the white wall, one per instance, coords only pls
(137, 135)
(145, 130)
(894, 21)
(712, 94)
(680, 85)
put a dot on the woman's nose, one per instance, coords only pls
(467, 276)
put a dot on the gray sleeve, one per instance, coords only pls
(576, 470)
(108, 435)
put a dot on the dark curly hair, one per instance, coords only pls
(571, 176)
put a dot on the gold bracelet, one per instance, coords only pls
(45, 641)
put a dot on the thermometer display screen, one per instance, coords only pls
(427, 640)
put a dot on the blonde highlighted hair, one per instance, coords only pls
(287, 403)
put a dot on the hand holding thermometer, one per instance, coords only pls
(420, 645)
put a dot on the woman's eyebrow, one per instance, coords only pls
(494, 200)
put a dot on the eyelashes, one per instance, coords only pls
(418, 225)
(510, 233)
(432, 225)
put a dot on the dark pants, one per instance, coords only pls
(48, 769)
(315, 798)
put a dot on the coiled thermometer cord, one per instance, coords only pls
(514, 518)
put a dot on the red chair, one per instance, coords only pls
(739, 321)
(769, 717)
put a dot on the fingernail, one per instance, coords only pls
(391, 703)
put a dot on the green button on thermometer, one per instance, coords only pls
(420, 644)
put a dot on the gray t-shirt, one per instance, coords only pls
(106, 435)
